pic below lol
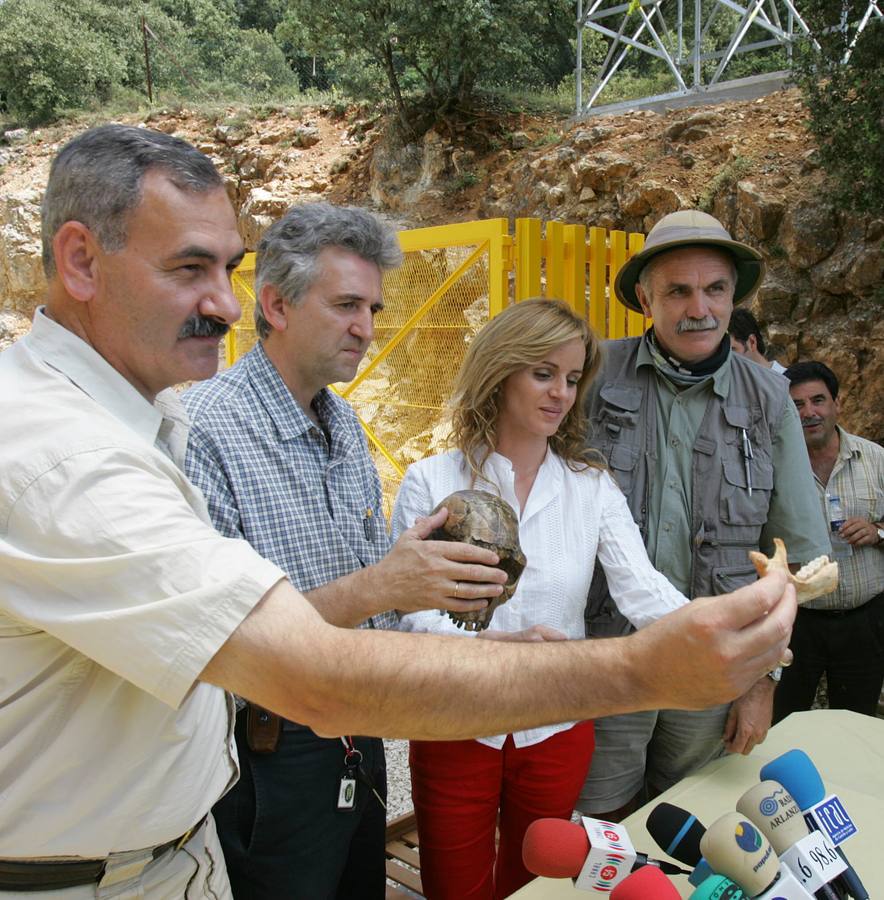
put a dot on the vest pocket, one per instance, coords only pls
(622, 459)
(737, 506)
(728, 578)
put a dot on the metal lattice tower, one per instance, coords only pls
(658, 28)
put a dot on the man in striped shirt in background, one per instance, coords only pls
(840, 635)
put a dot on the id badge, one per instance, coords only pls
(347, 791)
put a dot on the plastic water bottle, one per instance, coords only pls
(840, 547)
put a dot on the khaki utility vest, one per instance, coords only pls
(725, 521)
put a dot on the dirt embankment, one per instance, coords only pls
(751, 163)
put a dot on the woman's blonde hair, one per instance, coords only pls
(521, 336)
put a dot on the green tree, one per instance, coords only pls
(259, 64)
(54, 58)
(446, 49)
(262, 15)
(46, 65)
(843, 88)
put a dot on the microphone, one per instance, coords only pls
(646, 883)
(736, 849)
(717, 887)
(797, 773)
(597, 855)
(809, 856)
(701, 872)
(676, 832)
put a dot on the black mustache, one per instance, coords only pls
(202, 326)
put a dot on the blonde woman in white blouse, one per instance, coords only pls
(518, 426)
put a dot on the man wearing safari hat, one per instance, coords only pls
(708, 449)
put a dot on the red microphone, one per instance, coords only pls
(555, 848)
(596, 854)
(646, 883)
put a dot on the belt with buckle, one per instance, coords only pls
(33, 875)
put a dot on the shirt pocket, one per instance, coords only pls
(865, 506)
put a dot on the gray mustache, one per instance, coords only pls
(807, 423)
(201, 326)
(707, 323)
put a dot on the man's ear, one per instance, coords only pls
(275, 308)
(752, 343)
(75, 250)
(643, 300)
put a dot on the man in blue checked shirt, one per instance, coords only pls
(283, 463)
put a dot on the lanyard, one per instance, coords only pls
(353, 763)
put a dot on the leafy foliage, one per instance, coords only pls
(443, 51)
(47, 66)
(843, 89)
(55, 57)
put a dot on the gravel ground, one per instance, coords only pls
(398, 779)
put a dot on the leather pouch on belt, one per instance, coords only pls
(262, 730)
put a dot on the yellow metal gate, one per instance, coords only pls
(453, 279)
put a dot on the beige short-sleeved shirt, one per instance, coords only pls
(115, 592)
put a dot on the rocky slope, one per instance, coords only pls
(751, 163)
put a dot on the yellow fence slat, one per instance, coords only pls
(635, 322)
(528, 256)
(616, 310)
(555, 260)
(598, 280)
(574, 267)
(500, 264)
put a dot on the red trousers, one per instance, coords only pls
(458, 787)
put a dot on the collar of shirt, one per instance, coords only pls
(502, 481)
(848, 446)
(289, 419)
(60, 349)
(721, 377)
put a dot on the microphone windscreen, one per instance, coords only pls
(771, 808)
(555, 848)
(736, 848)
(676, 832)
(646, 883)
(798, 775)
(717, 887)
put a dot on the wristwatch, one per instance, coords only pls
(880, 532)
(775, 674)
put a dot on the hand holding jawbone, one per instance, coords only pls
(818, 577)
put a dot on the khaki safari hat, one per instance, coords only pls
(690, 228)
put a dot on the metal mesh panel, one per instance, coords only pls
(241, 337)
(405, 379)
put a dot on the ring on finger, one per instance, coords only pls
(456, 590)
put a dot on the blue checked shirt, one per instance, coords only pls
(306, 498)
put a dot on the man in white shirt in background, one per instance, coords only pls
(123, 611)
